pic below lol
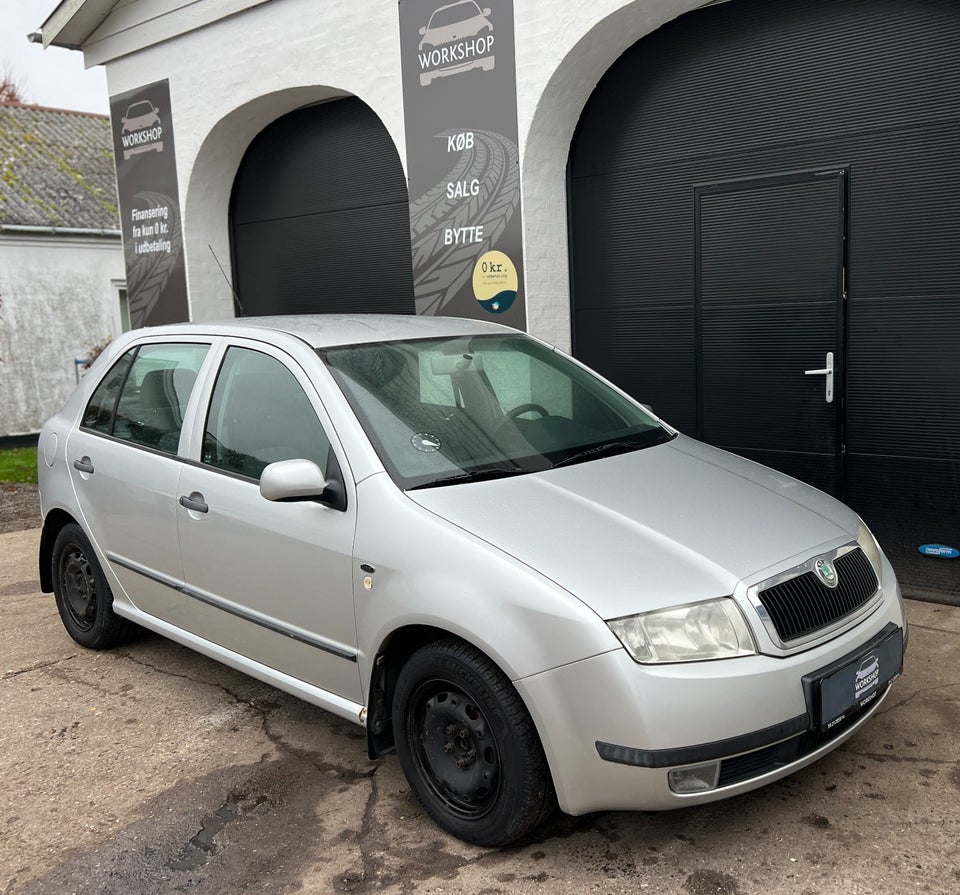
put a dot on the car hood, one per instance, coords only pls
(656, 527)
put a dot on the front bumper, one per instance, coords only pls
(613, 730)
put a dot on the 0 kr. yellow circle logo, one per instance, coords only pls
(495, 281)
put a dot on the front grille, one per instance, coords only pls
(770, 758)
(802, 605)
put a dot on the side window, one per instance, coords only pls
(103, 402)
(258, 415)
(154, 383)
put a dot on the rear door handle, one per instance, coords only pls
(83, 465)
(827, 371)
(194, 502)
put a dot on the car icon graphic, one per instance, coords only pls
(867, 675)
(457, 38)
(141, 129)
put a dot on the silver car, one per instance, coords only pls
(463, 540)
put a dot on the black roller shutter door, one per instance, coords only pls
(767, 88)
(319, 216)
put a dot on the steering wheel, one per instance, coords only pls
(527, 408)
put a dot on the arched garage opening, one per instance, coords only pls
(764, 188)
(319, 218)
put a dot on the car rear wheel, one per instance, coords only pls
(468, 746)
(83, 596)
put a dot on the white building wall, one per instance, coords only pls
(230, 79)
(59, 300)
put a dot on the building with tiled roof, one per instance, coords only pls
(62, 277)
(57, 169)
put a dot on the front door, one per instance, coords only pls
(271, 581)
(770, 269)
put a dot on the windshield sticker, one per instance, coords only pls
(425, 442)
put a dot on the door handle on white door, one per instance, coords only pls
(194, 502)
(828, 372)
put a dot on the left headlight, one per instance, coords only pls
(697, 632)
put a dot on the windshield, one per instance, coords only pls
(451, 15)
(442, 411)
(138, 110)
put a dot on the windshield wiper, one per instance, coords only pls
(473, 475)
(608, 447)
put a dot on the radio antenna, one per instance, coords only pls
(236, 297)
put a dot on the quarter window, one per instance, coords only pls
(258, 415)
(143, 397)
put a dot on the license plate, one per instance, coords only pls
(860, 681)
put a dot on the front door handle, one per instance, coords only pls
(83, 465)
(828, 372)
(194, 502)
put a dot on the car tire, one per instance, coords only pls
(83, 597)
(468, 746)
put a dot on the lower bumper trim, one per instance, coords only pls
(668, 758)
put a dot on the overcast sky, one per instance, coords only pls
(51, 77)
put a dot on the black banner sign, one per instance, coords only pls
(149, 205)
(460, 110)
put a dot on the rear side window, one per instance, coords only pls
(258, 415)
(143, 397)
(103, 403)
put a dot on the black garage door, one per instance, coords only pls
(319, 216)
(763, 191)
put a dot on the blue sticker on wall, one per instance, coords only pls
(941, 550)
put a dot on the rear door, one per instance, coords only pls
(770, 270)
(125, 470)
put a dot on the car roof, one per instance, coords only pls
(327, 330)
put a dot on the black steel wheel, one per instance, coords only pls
(83, 596)
(468, 746)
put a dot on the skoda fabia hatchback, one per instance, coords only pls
(500, 565)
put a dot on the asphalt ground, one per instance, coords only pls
(150, 769)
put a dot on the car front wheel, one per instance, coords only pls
(83, 596)
(468, 746)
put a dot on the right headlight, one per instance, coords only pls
(697, 632)
(868, 544)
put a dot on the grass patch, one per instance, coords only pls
(18, 465)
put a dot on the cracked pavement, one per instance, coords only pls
(151, 769)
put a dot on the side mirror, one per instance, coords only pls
(486, 12)
(423, 30)
(648, 408)
(295, 480)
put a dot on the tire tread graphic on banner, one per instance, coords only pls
(440, 271)
(148, 273)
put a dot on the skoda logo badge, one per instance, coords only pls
(826, 573)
